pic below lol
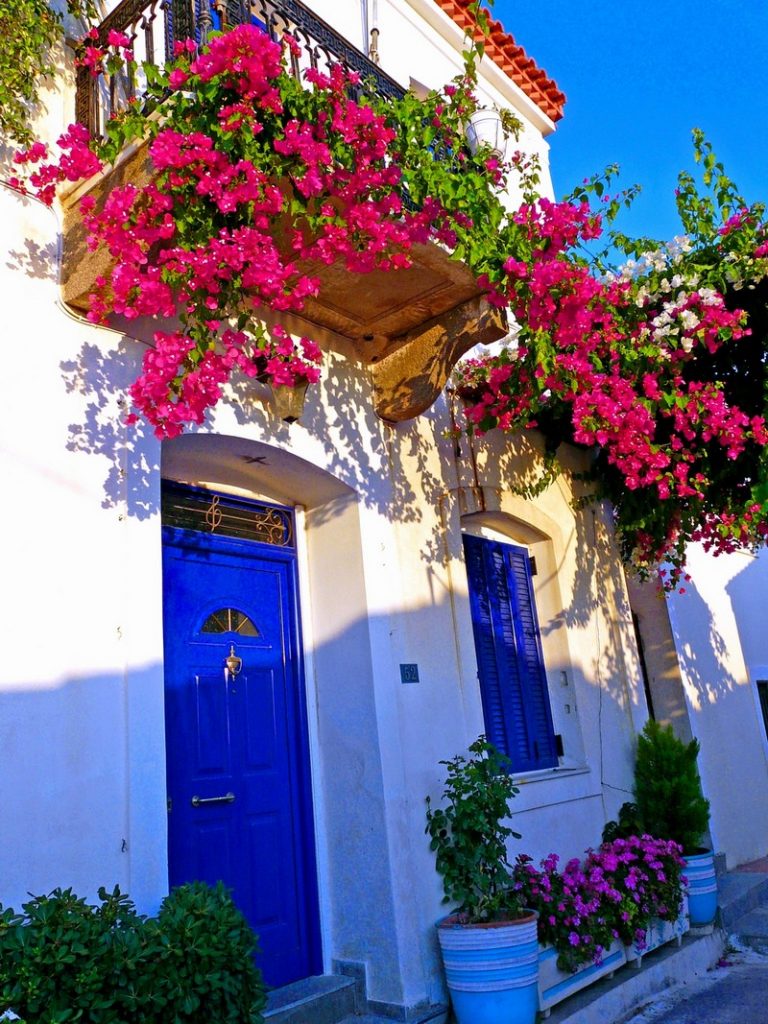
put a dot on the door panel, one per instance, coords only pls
(240, 741)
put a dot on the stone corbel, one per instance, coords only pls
(409, 378)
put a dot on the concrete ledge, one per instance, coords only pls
(369, 1018)
(421, 1014)
(619, 997)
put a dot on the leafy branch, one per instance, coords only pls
(30, 30)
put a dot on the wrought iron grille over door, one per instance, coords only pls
(193, 508)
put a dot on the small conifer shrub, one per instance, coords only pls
(670, 803)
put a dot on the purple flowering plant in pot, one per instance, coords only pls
(641, 879)
(575, 910)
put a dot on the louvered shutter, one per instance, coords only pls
(513, 684)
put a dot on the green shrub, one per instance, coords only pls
(670, 803)
(63, 960)
(628, 824)
(208, 958)
(469, 839)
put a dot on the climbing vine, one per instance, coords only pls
(30, 30)
(653, 361)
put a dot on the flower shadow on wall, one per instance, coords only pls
(35, 260)
(132, 452)
(394, 468)
(494, 467)
(706, 659)
(356, 444)
(391, 468)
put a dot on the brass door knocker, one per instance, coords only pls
(232, 664)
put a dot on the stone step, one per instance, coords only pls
(367, 1018)
(617, 998)
(324, 999)
(740, 892)
(752, 929)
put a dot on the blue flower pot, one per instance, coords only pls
(702, 888)
(491, 970)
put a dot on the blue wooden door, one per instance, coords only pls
(237, 758)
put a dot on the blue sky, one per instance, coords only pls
(638, 77)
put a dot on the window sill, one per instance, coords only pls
(545, 774)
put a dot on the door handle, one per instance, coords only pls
(198, 801)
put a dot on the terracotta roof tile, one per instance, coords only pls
(502, 49)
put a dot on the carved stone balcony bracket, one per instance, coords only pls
(409, 379)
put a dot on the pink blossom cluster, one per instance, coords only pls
(250, 189)
(618, 365)
(614, 894)
(97, 57)
(76, 160)
(574, 915)
(642, 877)
(259, 180)
(179, 385)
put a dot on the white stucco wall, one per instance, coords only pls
(387, 585)
(81, 689)
(383, 583)
(80, 673)
(722, 649)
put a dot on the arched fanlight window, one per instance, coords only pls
(229, 620)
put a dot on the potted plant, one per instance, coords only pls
(671, 805)
(287, 366)
(642, 878)
(578, 941)
(488, 942)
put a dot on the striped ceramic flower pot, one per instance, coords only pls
(702, 888)
(491, 970)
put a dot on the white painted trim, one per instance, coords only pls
(547, 774)
(447, 28)
(322, 854)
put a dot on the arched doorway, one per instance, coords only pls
(239, 790)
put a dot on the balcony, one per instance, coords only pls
(409, 326)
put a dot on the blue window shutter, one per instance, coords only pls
(513, 683)
(498, 699)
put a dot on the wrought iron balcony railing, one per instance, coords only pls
(154, 25)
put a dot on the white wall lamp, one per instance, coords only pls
(485, 127)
